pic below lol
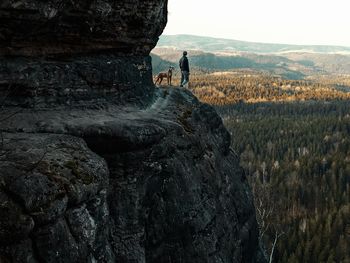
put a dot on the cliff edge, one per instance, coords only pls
(98, 165)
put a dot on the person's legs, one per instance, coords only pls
(185, 78)
(182, 78)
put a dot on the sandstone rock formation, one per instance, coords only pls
(96, 164)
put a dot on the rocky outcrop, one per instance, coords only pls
(69, 51)
(76, 81)
(96, 164)
(53, 200)
(36, 27)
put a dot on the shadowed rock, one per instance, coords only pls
(35, 27)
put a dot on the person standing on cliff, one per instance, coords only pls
(185, 69)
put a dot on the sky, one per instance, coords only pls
(313, 22)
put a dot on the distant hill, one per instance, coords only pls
(288, 61)
(205, 61)
(331, 63)
(211, 44)
(159, 64)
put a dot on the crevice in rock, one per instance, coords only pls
(75, 238)
(36, 253)
(16, 199)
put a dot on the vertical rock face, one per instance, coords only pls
(65, 51)
(96, 164)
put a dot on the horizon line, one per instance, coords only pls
(257, 42)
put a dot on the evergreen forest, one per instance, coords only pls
(297, 159)
(293, 139)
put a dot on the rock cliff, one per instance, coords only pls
(96, 164)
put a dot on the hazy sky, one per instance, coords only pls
(273, 21)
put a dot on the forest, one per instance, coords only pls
(297, 159)
(293, 139)
(222, 88)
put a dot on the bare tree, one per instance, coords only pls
(266, 207)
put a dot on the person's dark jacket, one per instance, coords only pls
(183, 63)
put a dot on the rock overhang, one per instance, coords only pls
(41, 28)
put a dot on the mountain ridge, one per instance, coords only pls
(287, 61)
(223, 44)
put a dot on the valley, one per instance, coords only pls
(288, 114)
(286, 61)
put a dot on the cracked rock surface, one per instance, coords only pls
(98, 165)
(168, 188)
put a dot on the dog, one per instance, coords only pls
(168, 75)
